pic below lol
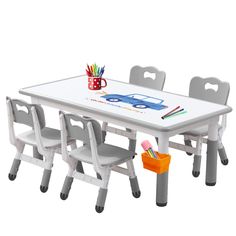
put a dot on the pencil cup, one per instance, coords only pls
(159, 166)
(95, 83)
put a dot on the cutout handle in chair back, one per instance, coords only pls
(209, 89)
(149, 77)
(77, 128)
(21, 111)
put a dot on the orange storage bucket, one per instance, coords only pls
(159, 166)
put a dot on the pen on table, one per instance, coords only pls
(170, 112)
(174, 113)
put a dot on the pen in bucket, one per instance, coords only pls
(148, 148)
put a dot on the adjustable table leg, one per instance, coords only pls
(162, 179)
(212, 145)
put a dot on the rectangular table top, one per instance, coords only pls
(127, 102)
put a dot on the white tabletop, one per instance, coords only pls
(74, 91)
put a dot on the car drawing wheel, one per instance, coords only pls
(140, 106)
(113, 99)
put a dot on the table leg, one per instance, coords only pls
(162, 179)
(212, 145)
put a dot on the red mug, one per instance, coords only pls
(95, 83)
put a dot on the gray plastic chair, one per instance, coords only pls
(103, 157)
(198, 89)
(45, 141)
(137, 77)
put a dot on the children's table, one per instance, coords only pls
(136, 108)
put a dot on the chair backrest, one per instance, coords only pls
(76, 128)
(21, 112)
(203, 89)
(137, 76)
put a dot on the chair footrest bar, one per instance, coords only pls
(120, 170)
(195, 138)
(182, 147)
(35, 161)
(88, 179)
(130, 135)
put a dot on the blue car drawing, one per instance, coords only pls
(137, 100)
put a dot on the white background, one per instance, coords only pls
(42, 41)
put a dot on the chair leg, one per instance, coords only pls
(102, 193)
(104, 133)
(221, 150)
(133, 180)
(223, 156)
(16, 162)
(188, 142)
(132, 143)
(36, 154)
(47, 172)
(66, 187)
(79, 167)
(45, 180)
(135, 187)
(99, 176)
(14, 169)
(196, 165)
(72, 163)
(101, 199)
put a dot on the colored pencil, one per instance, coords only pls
(174, 113)
(94, 70)
(170, 112)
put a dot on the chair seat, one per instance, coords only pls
(201, 131)
(51, 138)
(109, 155)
